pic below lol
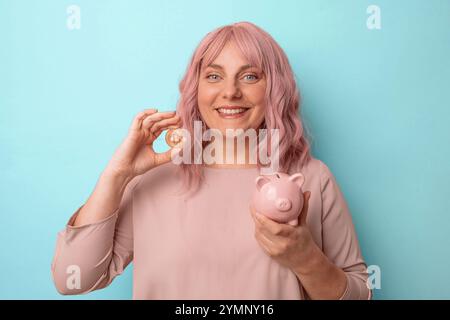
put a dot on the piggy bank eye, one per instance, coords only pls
(278, 176)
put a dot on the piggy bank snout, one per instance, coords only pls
(283, 204)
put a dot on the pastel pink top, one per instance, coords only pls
(203, 246)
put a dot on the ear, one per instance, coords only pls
(298, 179)
(260, 181)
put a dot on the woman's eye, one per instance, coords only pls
(213, 77)
(250, 77)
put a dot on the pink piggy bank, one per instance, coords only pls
(279, 197)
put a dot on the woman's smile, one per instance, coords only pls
(232, 112)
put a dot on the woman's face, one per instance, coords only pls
(230, 93)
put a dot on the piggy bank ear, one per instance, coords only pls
(298, 179)
(260, 181)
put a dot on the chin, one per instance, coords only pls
(244, 128)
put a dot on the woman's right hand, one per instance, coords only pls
(135, 155)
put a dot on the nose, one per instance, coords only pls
(231, 90)
(283, 204)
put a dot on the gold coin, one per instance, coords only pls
(173, 137)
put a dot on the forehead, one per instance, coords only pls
(230, 53)
(230, 58)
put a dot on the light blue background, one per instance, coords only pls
(376, 101)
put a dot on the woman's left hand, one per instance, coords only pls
(289, 245)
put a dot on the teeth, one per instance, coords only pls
(231, 111)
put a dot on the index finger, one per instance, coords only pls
(151, 119)
(137, 121)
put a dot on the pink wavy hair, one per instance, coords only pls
(282, 94)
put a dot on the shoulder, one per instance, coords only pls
(317, 172)
(316, 167)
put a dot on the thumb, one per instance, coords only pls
(167, 156)
(304, 212)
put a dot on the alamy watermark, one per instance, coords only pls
(374, 20)
(374, 279)
(73, 281)
(73, 21)
(233, 142)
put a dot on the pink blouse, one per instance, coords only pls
(203, 247)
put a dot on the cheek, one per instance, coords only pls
(257, 98)
(258, 94)
(206, 95)
(255, 93)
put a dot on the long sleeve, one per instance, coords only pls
(90, 256)
(340, 243)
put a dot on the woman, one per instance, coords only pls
(210, 244)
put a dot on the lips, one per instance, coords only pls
(231, 107)
(231, 112)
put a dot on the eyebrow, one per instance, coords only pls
(217, 66)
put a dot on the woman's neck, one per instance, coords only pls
(230, 166)
(237, 157)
